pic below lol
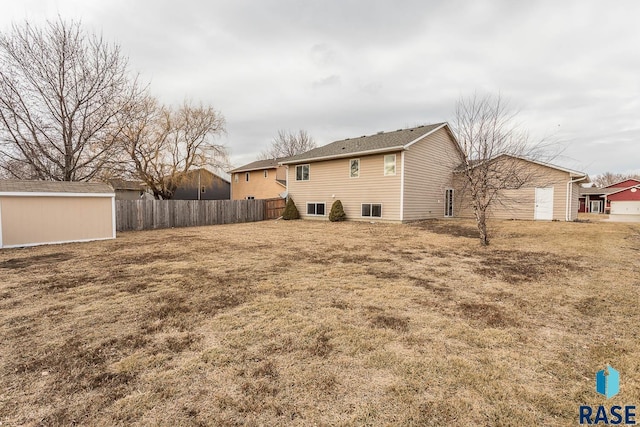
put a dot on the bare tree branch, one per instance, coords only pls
(63, 93)
(287, 144)
(608, 178)
(492, 149)
(163, 144)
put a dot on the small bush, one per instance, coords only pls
(337, 212)
(290, 211)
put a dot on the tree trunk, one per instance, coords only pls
(481, 220)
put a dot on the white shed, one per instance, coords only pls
(45, 212)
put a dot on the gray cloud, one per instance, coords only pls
(348, 68)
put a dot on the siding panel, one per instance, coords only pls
(428, 173)
(520, 204)
(331, 178)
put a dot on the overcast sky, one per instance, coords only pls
(346, 68)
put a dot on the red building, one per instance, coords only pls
(624, 194)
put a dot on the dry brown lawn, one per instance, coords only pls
(316, 323)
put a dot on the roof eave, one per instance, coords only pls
(343, 155)
(252, 169)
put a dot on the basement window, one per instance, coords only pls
(315, 208)
(372, 210)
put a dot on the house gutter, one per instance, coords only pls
(567, 216)
(342, 156)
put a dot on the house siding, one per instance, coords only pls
(216, 188)
(428, 173)
(520, 203)
(331, 178)
(258, 186)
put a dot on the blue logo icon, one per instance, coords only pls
(608, 382)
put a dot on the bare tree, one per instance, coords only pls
(288, 144)
(62, 95)
(163, 144)
(609, 178)
(492, 148)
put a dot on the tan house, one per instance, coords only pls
(42, 212)
(547, 192)
(262, 179)
(390, 176)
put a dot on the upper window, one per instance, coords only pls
(246, 176)
(266, 173)
(372, 210)
(302, 173)
(236, 177)
(354, 168)
(389, 164)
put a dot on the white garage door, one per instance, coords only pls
(625, 208)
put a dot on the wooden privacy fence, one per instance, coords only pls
(274, 208)
(150, 214)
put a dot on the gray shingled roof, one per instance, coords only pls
(123, 184)
(379, 142)
(258, 165)
(596, 190)
(15, 186)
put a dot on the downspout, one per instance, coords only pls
(567, 216)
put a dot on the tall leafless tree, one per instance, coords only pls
(163, 144)
(287, 144)
(62, 94)
(609, 178)
(492, 148)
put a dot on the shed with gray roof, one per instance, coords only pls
(45, 212)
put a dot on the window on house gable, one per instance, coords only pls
(246, 176)
(389, 164)
(302, 173)
(266, 173)
(236, 177)
(354, 168)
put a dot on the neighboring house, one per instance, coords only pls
(127, 190)
(597, 200)
(262, 179)
(390, 176)
(202, 184)
(44, 212)
(550, 192)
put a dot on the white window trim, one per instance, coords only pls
(308, 165)
(359, 164)
(370, 216)
(395, 165)
(446, 202)
(316, 203)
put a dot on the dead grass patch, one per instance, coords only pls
(373, 324)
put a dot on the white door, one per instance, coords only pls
(544, 204)
(595, 206)
(625, 208)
